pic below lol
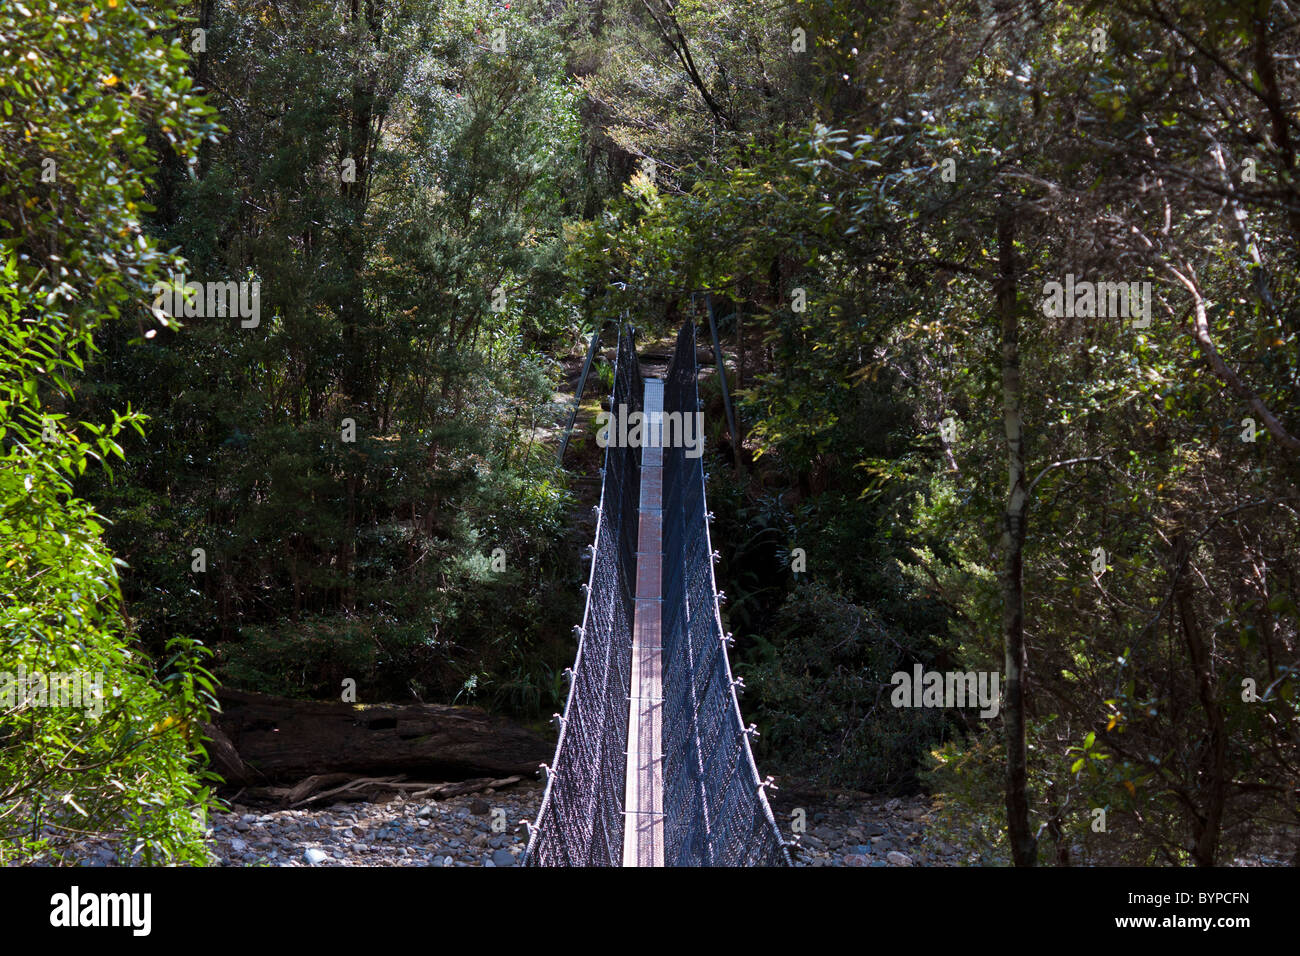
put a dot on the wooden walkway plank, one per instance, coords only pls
(643, 829)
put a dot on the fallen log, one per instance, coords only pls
(328, 788)
(304, 789)
(442, 791)
(369, 787)
(224, 760)
(278, 740)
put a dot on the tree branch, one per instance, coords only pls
(1201, 332)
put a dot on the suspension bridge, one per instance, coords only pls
(653, 765)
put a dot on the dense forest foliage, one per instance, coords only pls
(1007, 294)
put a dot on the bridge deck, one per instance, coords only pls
(643, 830)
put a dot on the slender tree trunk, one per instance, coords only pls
(200, 57)
(1056, 826)
(348, 551)
(740, 347)
(1024, 849)
(356, 374)
(1208, 824)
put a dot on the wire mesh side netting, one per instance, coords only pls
(715, 805)
(581, 818)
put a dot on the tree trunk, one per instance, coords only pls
(357, 379)
(740, 347)
(1206, 825)
(1024, 849)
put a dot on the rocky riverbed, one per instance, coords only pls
(486, 829)
(854, 829)
(483, 829)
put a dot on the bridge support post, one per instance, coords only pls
(722, 378)
(577, 399)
